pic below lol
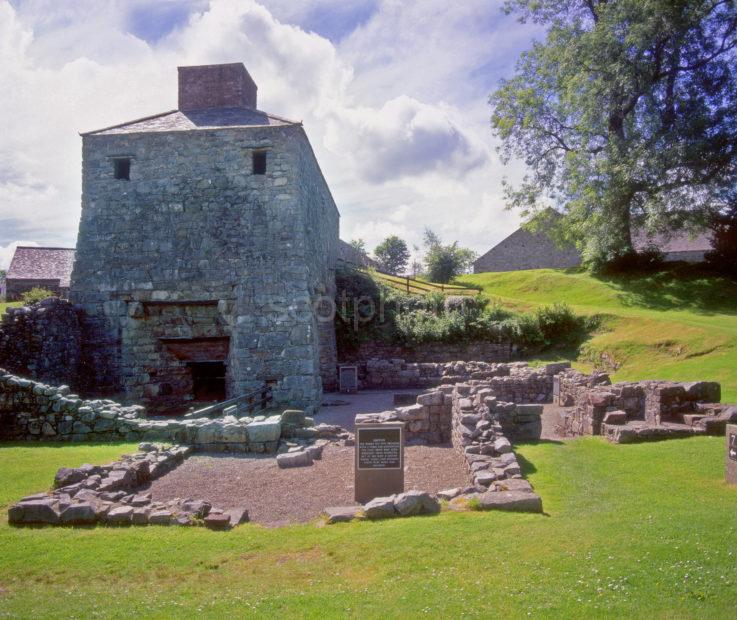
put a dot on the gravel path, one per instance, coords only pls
(277, 497)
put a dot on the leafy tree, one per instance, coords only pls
(358, 244)
(445, 262)
(392, 254)
(625, 116)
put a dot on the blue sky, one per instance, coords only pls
(393, 94)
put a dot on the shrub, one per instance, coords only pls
(558, 324)
(367, 310)
(35, 295)
(421, 326)
(465, 304)
(435, 302)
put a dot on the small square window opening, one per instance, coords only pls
(259, 162)
(122, 168)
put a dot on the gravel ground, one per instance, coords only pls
(277, 497)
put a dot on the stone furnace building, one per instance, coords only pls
(34, 267)
(208, 237)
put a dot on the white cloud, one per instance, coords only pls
(403, 138)
(396, 112)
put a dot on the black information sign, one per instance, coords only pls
(733, 446)
(379, 448)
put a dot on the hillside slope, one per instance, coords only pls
(674, 324)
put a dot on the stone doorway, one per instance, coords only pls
(208, 381)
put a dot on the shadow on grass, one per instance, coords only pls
(676, 287)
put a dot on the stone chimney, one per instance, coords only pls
(216, 86)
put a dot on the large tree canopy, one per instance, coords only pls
(626, 115)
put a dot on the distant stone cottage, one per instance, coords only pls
(34, 267)
(207, 239)
(536, 250)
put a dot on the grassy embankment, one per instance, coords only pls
(676, 324)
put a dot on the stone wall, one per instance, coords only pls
(42, 341)
(433, 352)
(34, 411)
(193, 228)
(481, 432)
(568, 385)
(114, 494)
(632, 411)
(432, 418)
(514, 382)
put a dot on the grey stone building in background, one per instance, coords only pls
(526, 250)
(536, 250)
(207, 239)
(34, 267)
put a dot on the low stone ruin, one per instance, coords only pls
(478, 423)
(639, 411)
(514, 382)
(34, 411)
(111, 494)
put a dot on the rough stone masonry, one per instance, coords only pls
(208, 236)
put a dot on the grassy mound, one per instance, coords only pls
(678, 323)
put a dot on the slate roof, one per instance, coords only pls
(31, 263)
(211, 118)
(667, 243)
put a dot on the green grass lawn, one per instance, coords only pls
(640, 531)
(676, 324)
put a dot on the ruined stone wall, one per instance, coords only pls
(433, 352)
(514, 382)
(34, 411)
(42, 341)
(568, 385)
(192, 227)
(469, 416)
(595, 405)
